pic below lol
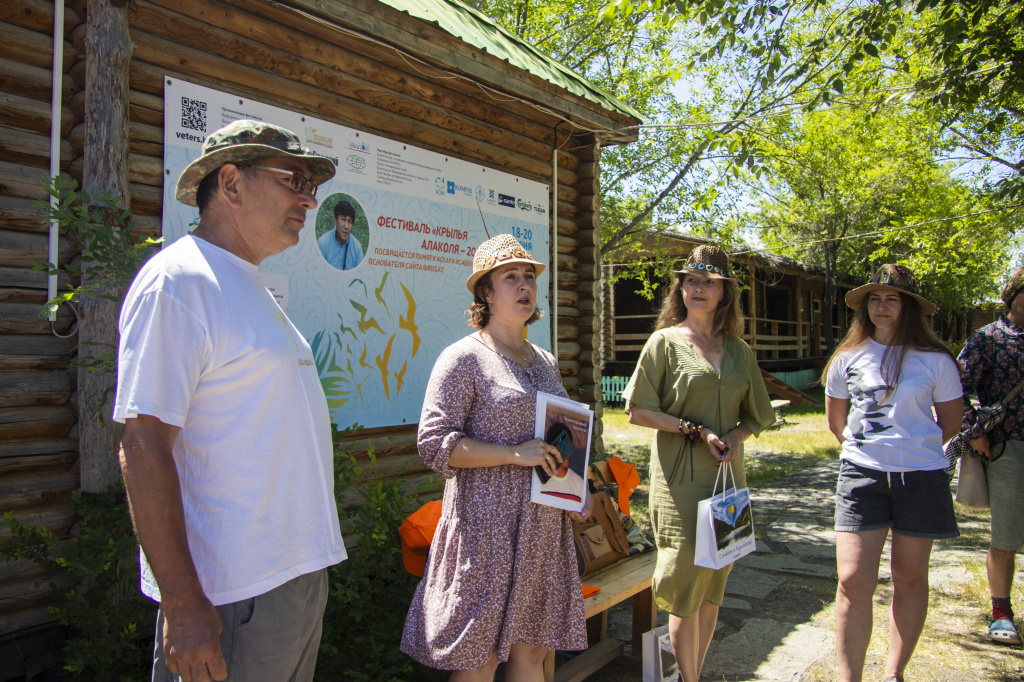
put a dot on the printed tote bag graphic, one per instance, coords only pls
(725, 524)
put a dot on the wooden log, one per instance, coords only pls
(59, 462)
(569, 368)
(274, 89)
(19, 213)
(31, 149)
(32, 114)
(19, 248)
(28, 182)
(146, 108)
(274, 49)
(352, 498)
(439, 47)
(32, 47)
(42, 345)
(55, 517)
(16, 595)
(18, 450)
(108, 54)
(24, 318)
(31, 81)
(34, 388)
(49, 421)
(25, 280)
(34, 488)
(567, 350)
(19, 621)
(36, 15)
(568, 298)
(146, 170)
(147, 140)
(146, 226)
(146, 200)
(280, 27)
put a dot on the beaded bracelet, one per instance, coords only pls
(693, 429)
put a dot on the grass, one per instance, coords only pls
(802, 441)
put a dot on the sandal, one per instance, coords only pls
(893, 679)
(1003, 631)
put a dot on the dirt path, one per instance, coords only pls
(777, 621)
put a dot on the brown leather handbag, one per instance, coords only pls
(600, 540)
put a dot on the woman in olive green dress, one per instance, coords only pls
(697, 383)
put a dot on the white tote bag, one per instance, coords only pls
(659, 658)
(725, 524)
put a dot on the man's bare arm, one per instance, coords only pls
(192, 629)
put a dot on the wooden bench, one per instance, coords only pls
(630, 577)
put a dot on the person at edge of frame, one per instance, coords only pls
(227, 453)
(993, 363)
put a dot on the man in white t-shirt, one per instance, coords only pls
(227, 453)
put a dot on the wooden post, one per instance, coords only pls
(108, 51)
(752, 306)
(798, 299)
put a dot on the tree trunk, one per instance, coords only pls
(108, 51)
(829, 298)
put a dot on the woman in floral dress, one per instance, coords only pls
(501, 584)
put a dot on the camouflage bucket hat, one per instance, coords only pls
(893, 278)
(707, 260)
(1013, 287)
(248, 141)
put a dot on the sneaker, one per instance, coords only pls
(1003, 631)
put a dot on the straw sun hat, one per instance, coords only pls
(890, 278)
(499, 250)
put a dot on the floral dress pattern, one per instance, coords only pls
(502, 570)
(992, 366)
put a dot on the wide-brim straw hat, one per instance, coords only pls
(500, 250)
(890, 277)
(708, 260)
(242, 141)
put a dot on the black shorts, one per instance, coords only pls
(917, 504)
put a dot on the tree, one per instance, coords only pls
(963, 57)
(837, 178)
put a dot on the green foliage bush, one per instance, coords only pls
(109, 621)
(371, 591)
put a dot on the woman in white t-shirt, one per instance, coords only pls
(882, 384)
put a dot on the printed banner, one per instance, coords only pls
(379, 306)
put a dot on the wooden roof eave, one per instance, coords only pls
(447, 52)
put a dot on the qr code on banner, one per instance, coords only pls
(193, 114)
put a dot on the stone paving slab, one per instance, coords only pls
(813, 551)
(746, 582)
(765, 649)
(787, 564)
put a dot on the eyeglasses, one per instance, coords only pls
(297, 181)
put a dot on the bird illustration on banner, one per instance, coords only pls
(382, 365)
(359, 281)
(408, 323)
(364, 323)
(378, 291)
(400, 378)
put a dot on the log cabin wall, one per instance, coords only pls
(38, 440)
(359, 63)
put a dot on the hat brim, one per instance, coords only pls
(321, 169)
(855, 297)
(414, 562)
(703, 273)
(475, 277)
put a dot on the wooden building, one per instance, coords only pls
(782, 303)
(432, 73)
